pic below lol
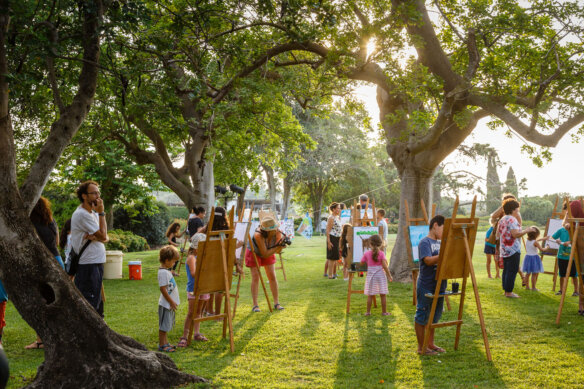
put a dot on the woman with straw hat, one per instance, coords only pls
(266, 243)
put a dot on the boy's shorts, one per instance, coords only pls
(563, 268)
(165, 319)
(425, 305)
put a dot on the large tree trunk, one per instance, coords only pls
(203, 186)
(316, 190)
(81, 351)
(287, 192)
(415, 186)
(271, 180)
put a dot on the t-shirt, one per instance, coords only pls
(82, 223)
(427, 279)
(489, 232)
(165, 278)
(509, 245)
(194, 224)
(368, 258)
(383, 225)
(48, 234)
(563, 235)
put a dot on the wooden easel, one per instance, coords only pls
(410, 221)
(255, 258)
(576, 231)
(182, 253)
(240, 260)
(213, 275)
(556, 214)
(281, 266)
(357, 221)
(455, 261)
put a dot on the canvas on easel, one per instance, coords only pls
(576, 230)
(455, 262)
(214, 272)
(241, 234)
(287, 228)
(553, 224)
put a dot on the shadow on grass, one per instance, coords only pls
(468, 365)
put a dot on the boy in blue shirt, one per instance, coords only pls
(562, 237)
(428, 249)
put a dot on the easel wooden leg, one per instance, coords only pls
(282, 266)
(414, 286)
(180, 261)
(227, 309)
(448, 303)
(568, 270)
(432, 313)
(555, 274)
(349, 291)
(236, 295)
(460, 310)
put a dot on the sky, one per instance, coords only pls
(563, 174)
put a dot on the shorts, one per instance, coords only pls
(88, 280)
(333, 253)
(563, 267)
(489, 250)
(250, 262)
(424, 307)
(165, 319)
(202, 297)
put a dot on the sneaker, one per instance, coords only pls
(575, 294)
(559, 292)
(325, 275)
(346, 279)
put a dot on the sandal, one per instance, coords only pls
(35, 346)
(166, 348)
(278, 307)
(255, 308)
(200, 338)
(385, 314)
(438, 349)
(182, 342)
(428, 352)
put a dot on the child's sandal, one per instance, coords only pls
(166, 348)
(182, 342)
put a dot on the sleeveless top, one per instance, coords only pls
(337, 228)
(190, 280)
(530, 248)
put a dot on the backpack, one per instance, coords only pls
(72, 260)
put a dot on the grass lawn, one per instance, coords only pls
(314, 343)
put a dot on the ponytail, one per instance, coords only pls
(376, 244)
(375, 253)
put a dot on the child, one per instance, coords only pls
(172, 233)
(490, 252)
(376, 282)
(169, 298)
(191, 269)
(562, 237)
(429, 249)
(344, 244)
(532, 262)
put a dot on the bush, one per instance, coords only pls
(179, 212)
(126, 241)
(536, 209)
(148, 219)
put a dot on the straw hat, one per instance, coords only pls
(268, 221)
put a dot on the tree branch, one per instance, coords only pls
(63, 130)
(430, 52)
(529, 133)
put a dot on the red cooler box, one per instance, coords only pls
(135, 270)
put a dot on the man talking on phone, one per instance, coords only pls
(88, 223)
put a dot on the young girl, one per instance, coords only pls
(490, 252)
(172, 233)
(191, 268)
(532, 262)
(376, 282)
(344, 245)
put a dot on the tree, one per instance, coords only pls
(505, 60)
(493, 183)
(80, 349)
(511, 183)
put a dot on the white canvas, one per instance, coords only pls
(554, 225)
(240, 229)
(361, 234)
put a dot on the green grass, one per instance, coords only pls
(313, 343)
